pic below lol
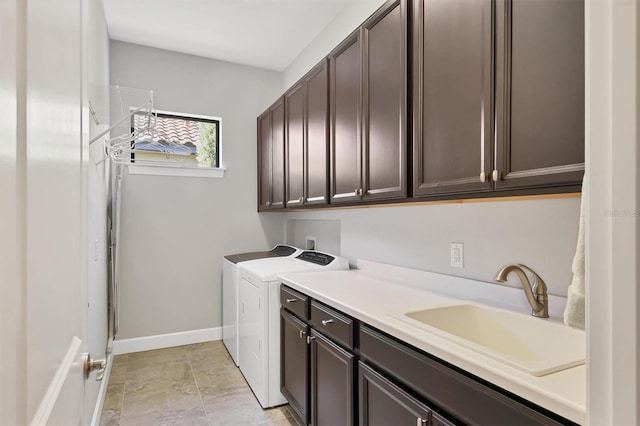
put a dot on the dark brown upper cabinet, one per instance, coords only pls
(294, 127)
(367, 95)
(345, 120)
(452, 96)
(530, 134)
(539, 93)
(306, 126)
(316, 175)
(264, 161)
(271, 171)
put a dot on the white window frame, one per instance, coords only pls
(171, 170)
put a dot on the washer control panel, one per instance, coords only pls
(316, 257)
(283, 250)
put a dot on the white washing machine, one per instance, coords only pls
(259, 318)
(230, 291)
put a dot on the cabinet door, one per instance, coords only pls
(540, 93)
(383, 403)
(345, 120)
(294, 364)
(264, 161)
(277, 155)
(317, 141)
(294, 127)
(332, 371)
(384, 92)
(452, 96)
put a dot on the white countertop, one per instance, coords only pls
(373, 293)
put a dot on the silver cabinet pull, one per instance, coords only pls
(268, 203)
(327, 322)
(483, 176)
(309, 339)
(421, 422)
(302, 334)
(496, 176)
(291, 300)
(301, 199)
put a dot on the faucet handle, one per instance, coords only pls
(536, 293)
(538, 286)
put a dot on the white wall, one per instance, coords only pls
(12, 186)
(349, 18)
(541, 234)
(325, 232)
(175, 230)
(96, 55)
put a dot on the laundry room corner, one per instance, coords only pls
(170, 259)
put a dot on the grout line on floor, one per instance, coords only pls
(195, 379)
(124, 389)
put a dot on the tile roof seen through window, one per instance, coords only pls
(184, 131)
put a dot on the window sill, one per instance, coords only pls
(207, 172)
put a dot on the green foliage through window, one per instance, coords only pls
(206, 154)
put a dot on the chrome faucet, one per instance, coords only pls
(536, 293)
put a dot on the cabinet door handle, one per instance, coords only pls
(302, 334)
(496, 175)
(309, 339)
(301, 199)
(483, 176)
(268, 203)
(425, 422)
(291, 300)
(327, 322)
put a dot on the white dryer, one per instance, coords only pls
(259, 318)
(230, 291)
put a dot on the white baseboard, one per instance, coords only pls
(160, 341)
(102, 392)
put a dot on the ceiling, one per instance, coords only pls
(262, 33)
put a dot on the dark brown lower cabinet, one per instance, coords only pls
(332, 372)
(397, 384)
(461, 396)
(294, 361)
(383, 403)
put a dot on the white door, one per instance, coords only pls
(42, 215)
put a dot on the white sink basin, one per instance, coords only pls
(537, 346)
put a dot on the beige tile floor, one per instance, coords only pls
(185, 385)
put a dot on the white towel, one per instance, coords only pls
(574, 311)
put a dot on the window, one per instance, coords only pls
(199, 135)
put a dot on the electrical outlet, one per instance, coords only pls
(310, 243)
(457, 255)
